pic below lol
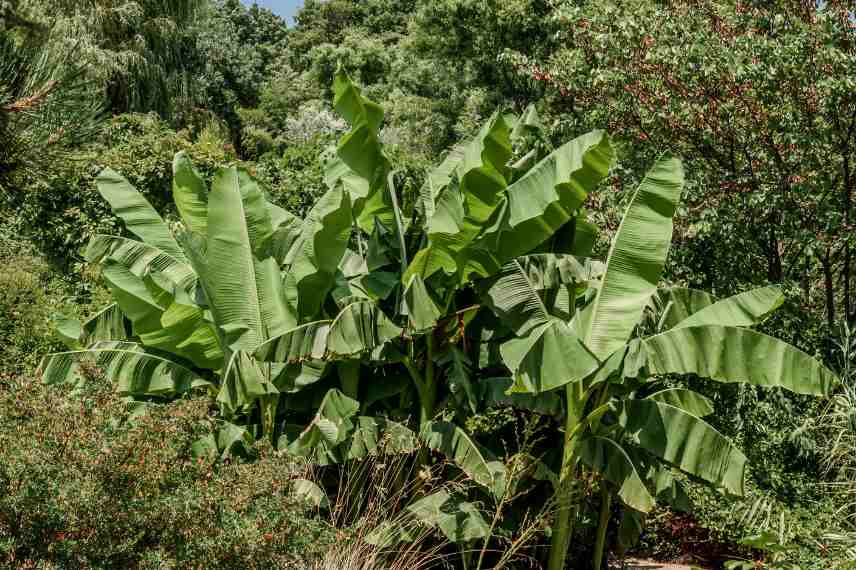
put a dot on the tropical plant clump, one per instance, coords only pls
(382, 321)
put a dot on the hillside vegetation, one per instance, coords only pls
(453, 284)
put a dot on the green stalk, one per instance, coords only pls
(428, 400)
(566, 516)
(568, 505)
(426, 388)
(603, 523)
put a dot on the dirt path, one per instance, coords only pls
(651, 565)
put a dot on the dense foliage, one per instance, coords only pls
(390, 314)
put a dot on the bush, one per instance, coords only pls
(25, 307)
(86, 484)
(63, 210)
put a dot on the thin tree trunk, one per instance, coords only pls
(826, 262)
(848, 201)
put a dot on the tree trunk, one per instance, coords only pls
(847, 191)
(826, 262)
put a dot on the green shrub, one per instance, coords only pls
(296, 180)
(60, 212)
(26, 304)
(85, 485)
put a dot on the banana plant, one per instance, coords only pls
(359, 314)
(194, 299)
(408, 291)
(620, 339)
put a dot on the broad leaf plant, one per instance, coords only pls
(383, 317)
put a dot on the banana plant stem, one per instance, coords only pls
(566, 515)
(603, 524)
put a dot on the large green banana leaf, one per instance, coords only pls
(184, 332)
(458, 520)
(257, 211)
(230, 269)
(435, 182)
(516, 300)
(244, 292)
(478, 463)
(743, 310)
(531, 289)
(135, 372)
(687, 400)
(546, 354)
(494, 392)
(462, 210)
(683, 440)
(673, 305)
(378, 435)
(140, 218)
(304, 342)
(315, 256)
(294, 377)
(636, 258)
(108, 324)
(428, 261)
(670, 490)
(331, 427)
(606, 457)
(360, 327)
(421, 309)
(243, 384)
(311, 493)
(481, 173)
(548, 196)
(138, 297)
(173, 275)
(361, 152)
(736, 354)
(160, 322)
(190, 194)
